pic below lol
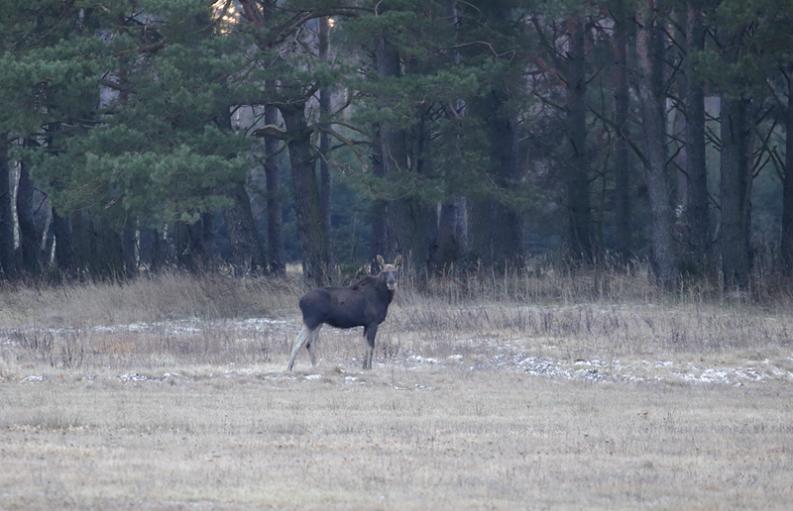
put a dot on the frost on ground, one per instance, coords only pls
(652, 370)
(479, 354)
(176, 327)
(617, 370)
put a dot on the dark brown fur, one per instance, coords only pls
(365, 304)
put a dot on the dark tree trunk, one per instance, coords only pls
(452, 242)
(152, 255)
(129, 247)
(275, 243)
(401, 225)
(64, 246)
(697, 210)
(47, 243)
(412, 224)
(98, 251)
(324, 140)
(30, 236)
(191, 244)
(257, 193)
(7, 259)
(576, 175)
(105, 251)
(509, 223)
(496, 230)
(42, 217)
(80, 235)
(622, 170)
(378, 246)
(735, 190)
(247, 250)
(649, 47)
(787, 187)
(306, 192)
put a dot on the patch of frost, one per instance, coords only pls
(422, 360)
(127, 377)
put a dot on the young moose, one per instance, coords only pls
(363, 304)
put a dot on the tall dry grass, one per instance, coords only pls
(169, 295)
(178, 319)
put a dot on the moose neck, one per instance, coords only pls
(383, 293)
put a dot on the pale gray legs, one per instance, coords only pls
(307, 338)
(311, 345)
(369, 334)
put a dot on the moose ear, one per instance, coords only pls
(398, 260)
(380, 261)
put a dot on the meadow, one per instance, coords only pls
(532, 392)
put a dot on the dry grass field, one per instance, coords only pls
(541, 394)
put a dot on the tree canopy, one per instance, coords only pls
(244, 133)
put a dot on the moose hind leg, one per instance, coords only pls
(369, 333)
(300, 341)
(311, 345)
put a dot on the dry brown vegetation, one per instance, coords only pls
(169, 393)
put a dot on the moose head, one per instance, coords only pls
(389, 272)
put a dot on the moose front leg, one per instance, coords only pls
(369, 334)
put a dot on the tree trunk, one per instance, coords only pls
(151, 249)
(576, 174)
(190, 243)
(402, 225)
(622, 171)
(64, 247)
(378, 242)
(324, 139)
(412, 224)
(787, 187)
(649, 48)
(247, 251)
(98, 252)
(47, 243)
(497, 229)
(307, 199)
(275, 243)
(80, 243)
(105, 255)
(30, 237)
(7, 259)
(452, 242)
(697, 210)
(735, 191)
(129, 247)
(257, 193)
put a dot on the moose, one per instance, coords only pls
(365, 304)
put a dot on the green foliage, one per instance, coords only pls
(158, 144)
(127, 106)
(447, 68)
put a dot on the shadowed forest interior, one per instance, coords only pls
(479, 136)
